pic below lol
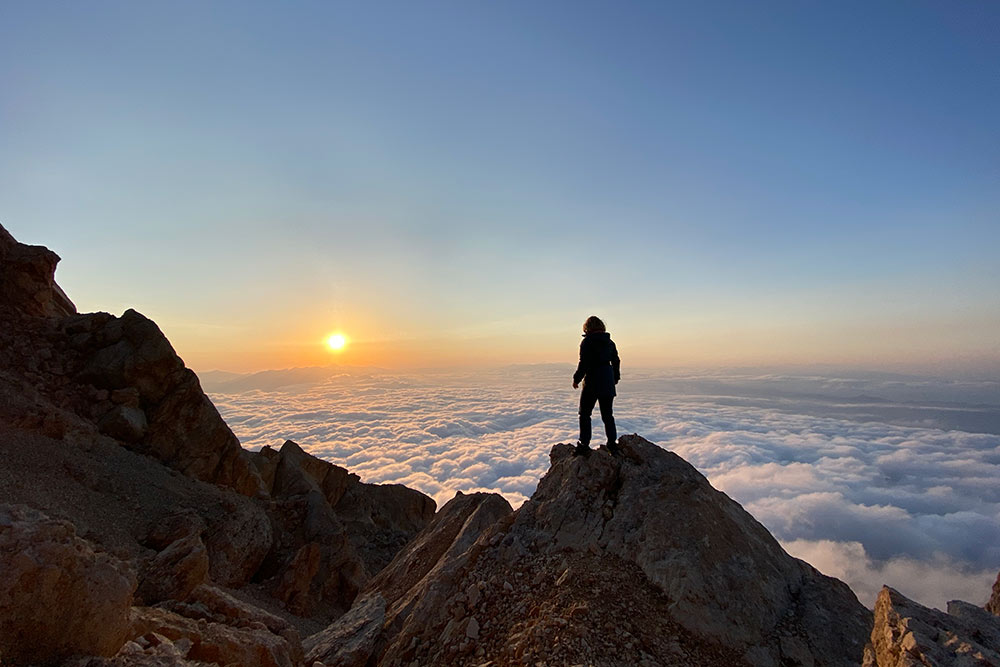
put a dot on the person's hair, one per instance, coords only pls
(593, 324)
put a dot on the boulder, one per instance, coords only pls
(216, 643)
(174, 572)
(124, 422)
(58, 597)
(238, 543)
(907, 634)
(153, 650)
(237, 535)
(381, 519)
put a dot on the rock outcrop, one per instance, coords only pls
(119, 373)
(611, 561)
(419, 577)
(333, 531)
(993, 604)
(352, 640)
(27, 280)
(155, 404)
(86, 388)
(58, 597)
(216, 643)
(907, 634)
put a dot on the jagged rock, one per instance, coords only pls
(215, 642)
(381, 519)
(317, 559)
(712, 584)
(184, 429)
(353, 638)
(302, 575)
(907, 634)
(440, 545)
(174, 572)
(57, 596)
(350, 640)
(27, 280)
(993, 605)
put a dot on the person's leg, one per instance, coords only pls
(608, 418)
(587, 400)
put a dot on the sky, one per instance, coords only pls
(446, 183)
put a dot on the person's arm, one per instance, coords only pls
(580, 368)
(616, 363)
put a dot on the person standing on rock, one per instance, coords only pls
(599, 370)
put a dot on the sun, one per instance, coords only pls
(336, 342)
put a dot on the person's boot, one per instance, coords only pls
(581, 449)
(614, 448)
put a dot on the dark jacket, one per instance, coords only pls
(600, 367)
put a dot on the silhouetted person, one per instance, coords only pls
(599, 370)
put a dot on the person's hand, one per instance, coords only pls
(576, 384)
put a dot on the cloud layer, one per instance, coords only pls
(828, 464)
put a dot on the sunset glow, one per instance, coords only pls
(336, 342)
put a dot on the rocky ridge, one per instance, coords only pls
(135, 530)
(612, 561)
(110, 450)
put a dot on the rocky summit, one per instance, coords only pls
(135, 530)
(631, 560)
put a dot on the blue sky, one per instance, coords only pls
(726, 182)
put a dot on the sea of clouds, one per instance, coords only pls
(873, 478)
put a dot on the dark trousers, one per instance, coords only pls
(587, 401)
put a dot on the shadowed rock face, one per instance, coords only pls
(422, 576)
(907, 634)
(334, 531)
(27, 280)
(57, 596)
(119, 373)
(452, 531)
(163, 411)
